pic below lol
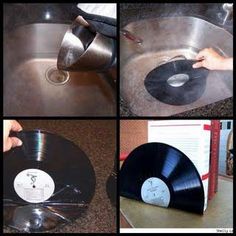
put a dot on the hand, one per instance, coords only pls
(211, 60)
(98, 17)
(10, 142)
(99, 9)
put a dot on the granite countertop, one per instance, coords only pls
(134, 12)
(97, 138)
(223, 108)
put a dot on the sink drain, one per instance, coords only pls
(56, 77)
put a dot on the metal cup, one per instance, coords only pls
(84, 50)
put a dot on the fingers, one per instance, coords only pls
(201, 55)
(11, 142)
(15, 142)
(204, 53)
(15, 126)
(198, 64)
(82, 21)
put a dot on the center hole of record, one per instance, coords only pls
(178, 80)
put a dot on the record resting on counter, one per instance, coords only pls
(159, 174)
(48, 181)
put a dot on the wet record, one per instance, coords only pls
(159, 174)
(176, 82)
(48, 181)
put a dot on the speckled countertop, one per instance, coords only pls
(222, 108)
(211, 12)
(97, 138)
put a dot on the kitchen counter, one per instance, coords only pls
(97, 138)
(224, 108)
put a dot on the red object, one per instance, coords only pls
(123, 156)
(207, 127)
(205, 176)
(214, 158)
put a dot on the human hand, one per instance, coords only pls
(10, 142)
(98, 17)
(211, 60)
(99, 9)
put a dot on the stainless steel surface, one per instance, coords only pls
(82, 49)
(164, 38)
(228, 8)
(29, 52)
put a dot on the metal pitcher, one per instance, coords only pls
(85, 50)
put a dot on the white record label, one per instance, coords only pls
(155, 191)
(34, 185)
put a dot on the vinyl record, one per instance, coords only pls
(176, 82)
(111, 188)
(48, 181)
(111, 185)
(160, 174)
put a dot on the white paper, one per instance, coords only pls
(190, 137)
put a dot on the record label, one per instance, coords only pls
(34, 185)
(155, 191)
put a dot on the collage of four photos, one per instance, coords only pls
(118, 117)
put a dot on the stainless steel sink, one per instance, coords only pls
(34, 87)
(163, 39)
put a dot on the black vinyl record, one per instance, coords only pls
(111, 188)
(111, 185)
(160, 174)
(176, 82)
(48, 181)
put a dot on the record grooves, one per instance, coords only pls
(160, 174)
(187, 84)
(47, 181)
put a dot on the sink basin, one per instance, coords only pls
(163, 39)
(34, 87)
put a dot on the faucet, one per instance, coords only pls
(228, 9)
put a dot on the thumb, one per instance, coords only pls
(16, 142)
(11, 142)
(198, 65)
